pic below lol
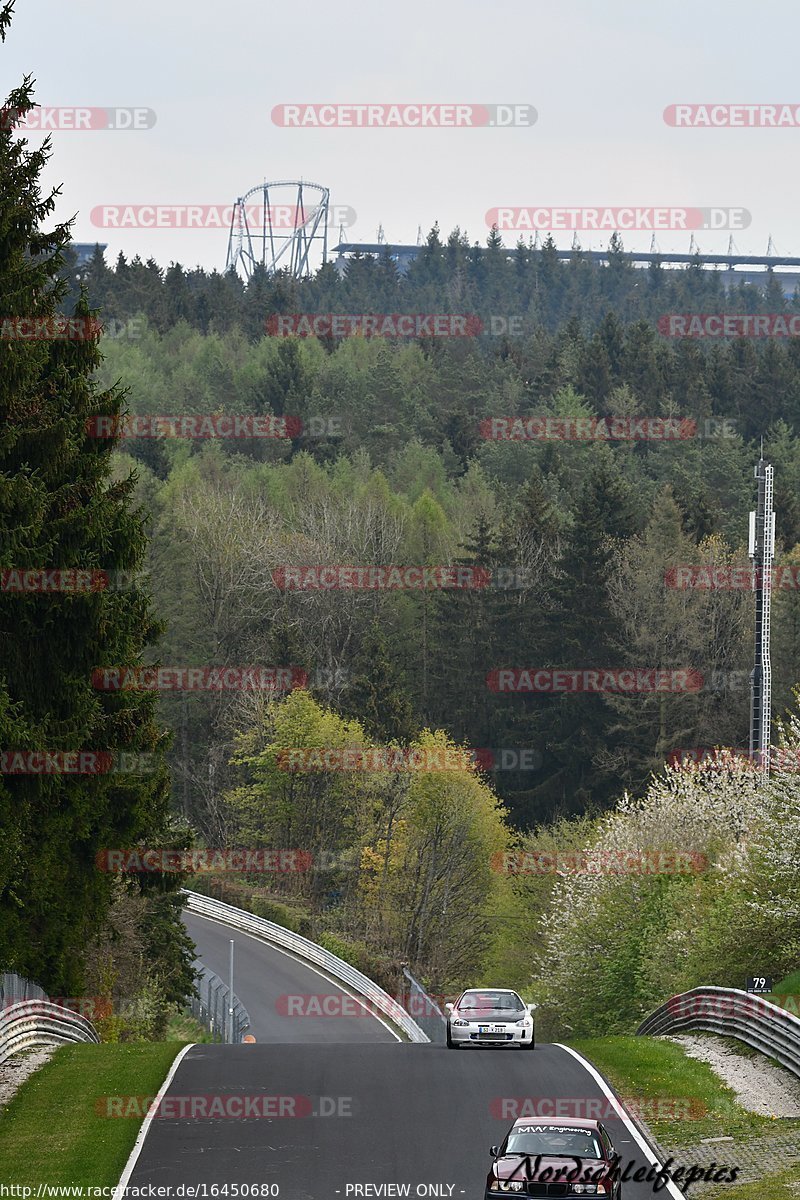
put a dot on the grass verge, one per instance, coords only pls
(52, 1131)
(782, 1186)
(682, 1101)
(791, 984)
(182, 1027)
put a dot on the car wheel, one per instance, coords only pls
(450, 1043)
(531, 1044)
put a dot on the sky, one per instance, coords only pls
(598, 75)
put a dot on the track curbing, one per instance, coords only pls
(630, 1124)
(133, 1157)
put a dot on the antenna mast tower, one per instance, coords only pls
(762, 553)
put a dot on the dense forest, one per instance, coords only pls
(529, 282)
(386, 463)
(386, 455)
(389, 462)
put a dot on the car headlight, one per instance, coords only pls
(526, 1022)
(507, 1185)
(589, 1189)
(459, 1022)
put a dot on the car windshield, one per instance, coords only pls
(474, 1001)
(554, 1140)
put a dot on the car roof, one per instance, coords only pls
(563, 1122)
(509, 991)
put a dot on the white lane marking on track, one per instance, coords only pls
(142, 1134)
(303, 963)
(672, 1188)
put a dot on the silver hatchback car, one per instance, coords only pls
(490, 1016)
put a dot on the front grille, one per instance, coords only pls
(547, 1189)
(492, 1037)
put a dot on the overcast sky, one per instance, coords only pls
(598, 75)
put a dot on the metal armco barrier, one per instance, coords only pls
(15, 987)
(424, 1008)
(731, 1013)
(310, 952)
(39, 1023)
(210, 1006)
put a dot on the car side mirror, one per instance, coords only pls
(449, 1006)
(494, 1151)
(531, 1007)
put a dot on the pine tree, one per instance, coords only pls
(61, 509)
(376, 693)
(582, 632)
(99, 281)
(463, 646)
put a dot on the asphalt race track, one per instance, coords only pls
(358, 1107)
(263, 974)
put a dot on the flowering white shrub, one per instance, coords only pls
(772, 869)
(616, 943)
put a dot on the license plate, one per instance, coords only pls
(491, 1029)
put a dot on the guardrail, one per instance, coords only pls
(731, 1013)
(427, 1012)
(31, 1023)
(310, 952)
(210, 1006)
(17, 987)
